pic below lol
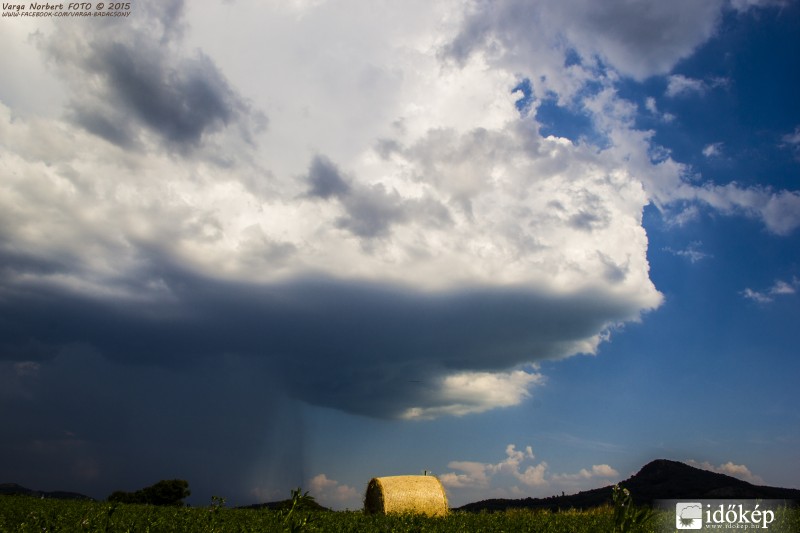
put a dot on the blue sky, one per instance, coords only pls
(528, 247)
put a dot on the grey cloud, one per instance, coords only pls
(591, 213)
(587, 220)
(643, 38)
(325, 180)
(639, 39)
(371, 210)
(613, 272)
(102, 125)
(179, 102)
(386, 147)
(374, 210)
(164, 17)
(127, 81)
(472, 35)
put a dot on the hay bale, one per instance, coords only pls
(406, 494)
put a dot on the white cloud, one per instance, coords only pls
(744, 5)
(713, 150)
(480, 475)
(692, 252)
(730, 469)
(519, 475)
(779, 288)
(650, 105)
(475, 392)
(681, 85)
(331, 493)
(793, 138)
(792, 141)
(603, 470)
(441, 211)
(778, 210)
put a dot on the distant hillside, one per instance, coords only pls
(658, 480)
(284, 505)
(14, 489)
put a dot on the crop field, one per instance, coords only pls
(27, 514)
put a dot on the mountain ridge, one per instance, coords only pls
(661, 479)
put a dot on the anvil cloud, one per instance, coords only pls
(345, 204)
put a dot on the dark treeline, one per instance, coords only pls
(165, 492)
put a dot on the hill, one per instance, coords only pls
(658, 480)
(285, 505)
(14, 489)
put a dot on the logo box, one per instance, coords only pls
(689, 515)
(705, 515)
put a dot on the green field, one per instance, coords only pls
(28, 514)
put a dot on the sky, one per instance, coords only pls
(525, 246)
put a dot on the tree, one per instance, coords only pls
(165, 492)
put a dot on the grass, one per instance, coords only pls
(27, 514)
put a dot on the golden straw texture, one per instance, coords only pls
(406, 494)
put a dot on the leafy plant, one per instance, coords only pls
(291, 521)
(627, 516)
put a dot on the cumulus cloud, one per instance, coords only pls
(331, 493)
(480, 474)
(603, 471)
(672, 189)
(471, 225)
(730, 469)
(522, 473)
(779, 210)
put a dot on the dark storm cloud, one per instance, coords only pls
(105, 392)
(82, 422)
(354, 347)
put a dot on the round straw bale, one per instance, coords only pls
(406, 494)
